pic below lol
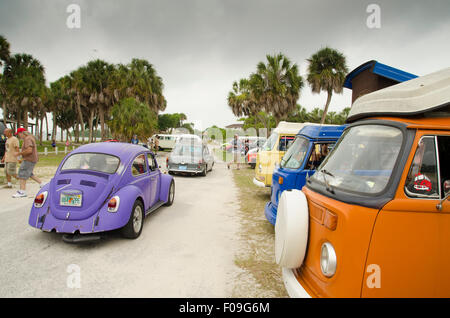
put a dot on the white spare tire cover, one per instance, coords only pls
(291, 229)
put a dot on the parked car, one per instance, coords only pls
(101, 187)
(250, 157)
(373, 220)
(273, 150)
(190, 156)
(309, 149)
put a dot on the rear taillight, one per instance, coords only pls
(113, 204)
(39, 200)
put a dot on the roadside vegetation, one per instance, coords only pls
(261, 276)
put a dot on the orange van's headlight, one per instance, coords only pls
(328, 260)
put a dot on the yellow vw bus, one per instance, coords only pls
(273, 150)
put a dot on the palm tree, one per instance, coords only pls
(4, 57)
(4, 50)
(278, 85)
(326, 72)
(25, 83)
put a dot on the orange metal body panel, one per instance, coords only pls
(408, 239)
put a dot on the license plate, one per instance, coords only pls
(70, 199)
(182, 167)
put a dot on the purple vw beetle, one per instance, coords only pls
(101, 187)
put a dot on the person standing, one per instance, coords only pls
(30, 158)
(156, 144)
(134, 140)
(236, 152)
(10, 158)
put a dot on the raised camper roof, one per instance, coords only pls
(322, 131)
(426, 94)
(289, 128)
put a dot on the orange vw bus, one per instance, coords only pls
(374, 220)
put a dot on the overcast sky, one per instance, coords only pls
(199, 47)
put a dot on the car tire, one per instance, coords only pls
(133, 228)
(204, 172)
(253, 165)
(291, 229)
(171, 194)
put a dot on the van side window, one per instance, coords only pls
(139, 166)
(318, 154)
(285, 142)
(422, 180)
(444, 159)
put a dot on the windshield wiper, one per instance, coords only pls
(327, 184)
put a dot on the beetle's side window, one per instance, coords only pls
(139, 165)
(422, 180)
(151, 162)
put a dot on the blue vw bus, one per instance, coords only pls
(310, 147)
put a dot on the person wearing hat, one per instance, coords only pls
(10, 158)
(30, 158)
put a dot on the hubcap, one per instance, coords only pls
(137, 219)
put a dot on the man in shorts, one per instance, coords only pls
(10, 158)
(30, 158)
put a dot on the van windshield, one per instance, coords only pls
(294, 157)
(363, 160)
(270, 143)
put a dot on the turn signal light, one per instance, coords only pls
(113, 204)
(280, 180)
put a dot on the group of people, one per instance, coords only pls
(26, 156)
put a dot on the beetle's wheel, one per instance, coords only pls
(171, 195)
(136, 222)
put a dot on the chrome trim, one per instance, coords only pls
(330, 269)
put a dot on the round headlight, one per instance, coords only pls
(328, 260)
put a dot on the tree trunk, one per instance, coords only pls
(102, 121)
(91, 121)
(46, 126)
(41, 131)
(55, 127)
(80, 117)
(25, 119)
(325, 111)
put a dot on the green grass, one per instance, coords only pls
(51, 160)
(257, 258)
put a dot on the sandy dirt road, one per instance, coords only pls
(186, 250)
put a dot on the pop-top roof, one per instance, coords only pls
(322, 131)
(378, 68)
(417, 96)
(289, 128)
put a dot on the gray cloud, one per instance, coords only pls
(201, 47)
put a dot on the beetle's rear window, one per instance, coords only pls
(92, 161)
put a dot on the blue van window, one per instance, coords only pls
(293, 159)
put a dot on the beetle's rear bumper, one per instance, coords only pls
(48, 223)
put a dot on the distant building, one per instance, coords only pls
(235, 126)
(372, 76)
